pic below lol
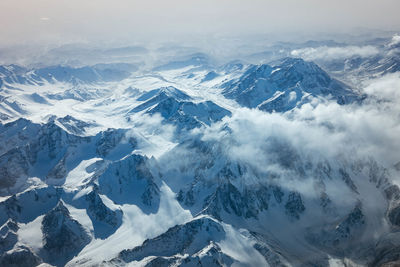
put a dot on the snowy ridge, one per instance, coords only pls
(285, 85)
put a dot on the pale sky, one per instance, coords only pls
(25, 21)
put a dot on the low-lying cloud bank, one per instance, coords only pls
(312, 133)
(331, 53)
(276, 143)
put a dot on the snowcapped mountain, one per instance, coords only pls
(192, 163)
(175, 107)
(97, 73)
(385, 60)
(289, 83)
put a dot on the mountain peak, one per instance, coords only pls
(281, 87)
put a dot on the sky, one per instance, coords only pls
(36, 21)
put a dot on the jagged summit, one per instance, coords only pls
(164, 92)
(177, 107)
(285, 84)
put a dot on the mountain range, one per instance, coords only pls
(113, 165)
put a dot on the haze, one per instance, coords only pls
(27, 21)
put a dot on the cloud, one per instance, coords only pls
(283, 145)
(385, 88)
(331, 53)
(395, 40)
(153, 136)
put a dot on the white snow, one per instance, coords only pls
(31, 234)
(136, 227)
(240, 248)
(79, 176)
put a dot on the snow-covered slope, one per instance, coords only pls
(285, 85)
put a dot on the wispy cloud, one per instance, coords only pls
(329, 53)
(341, 135)
(154, 137)
(395, 40)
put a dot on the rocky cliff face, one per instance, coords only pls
(63, 237)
